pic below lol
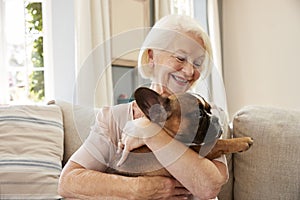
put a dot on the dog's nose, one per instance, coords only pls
(216, 126)
(216, 129)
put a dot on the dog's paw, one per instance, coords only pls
(245, 143)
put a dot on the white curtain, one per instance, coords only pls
(212, 88)
(162, 8)
(93, 53)
(3, 76)
(214, 32)
(217, 84)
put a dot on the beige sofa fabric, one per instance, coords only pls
(77, 122)
(226, 190)
(271, 168)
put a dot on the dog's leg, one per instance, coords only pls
(227, 146)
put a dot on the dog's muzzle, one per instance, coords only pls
(214, 132)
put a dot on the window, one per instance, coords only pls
(22, 42)
(182, 7)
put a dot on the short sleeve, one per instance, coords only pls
(222, 159)
(100, 146)
(85, 159)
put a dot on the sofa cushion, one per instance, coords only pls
(226, 190)
(77, 120)
(31, 151)
(270, 169)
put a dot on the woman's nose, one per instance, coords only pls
(188, 69)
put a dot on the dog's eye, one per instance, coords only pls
(202, 113)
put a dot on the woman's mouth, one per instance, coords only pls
(179, 80)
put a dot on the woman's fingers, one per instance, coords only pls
(123, 157)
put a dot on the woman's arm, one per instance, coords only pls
(202, 177)
(80, 183)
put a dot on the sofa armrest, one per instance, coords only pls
(226, 192)
(270, 169)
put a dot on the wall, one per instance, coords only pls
(261, 41)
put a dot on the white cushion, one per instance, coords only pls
(31, 151)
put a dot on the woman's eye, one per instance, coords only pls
(197, 64)
(180, 58)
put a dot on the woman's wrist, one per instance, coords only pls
(127, 187)
(165, 148)
(142, 128)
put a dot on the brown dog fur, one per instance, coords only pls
(180, 117)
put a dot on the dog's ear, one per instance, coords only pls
(205, 104)
(154, 106)
(207, 107)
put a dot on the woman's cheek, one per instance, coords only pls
(196, 75)
(162, 75)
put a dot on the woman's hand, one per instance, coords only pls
(134, 134)
(158, 187)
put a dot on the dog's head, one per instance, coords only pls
(183, 116)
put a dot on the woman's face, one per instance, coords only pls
(178, 67)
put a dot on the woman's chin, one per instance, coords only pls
(178, 87)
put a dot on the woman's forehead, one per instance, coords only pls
(187, 44)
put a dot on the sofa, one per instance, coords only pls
(36, 142)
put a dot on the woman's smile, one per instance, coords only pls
(177, 83)
(179, 80)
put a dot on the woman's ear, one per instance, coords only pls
(150, 56)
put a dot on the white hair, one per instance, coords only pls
(163, 34)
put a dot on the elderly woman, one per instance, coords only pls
(175, 54)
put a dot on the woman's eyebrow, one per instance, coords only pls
(185, 53)
(180, 51)
(202, 57)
